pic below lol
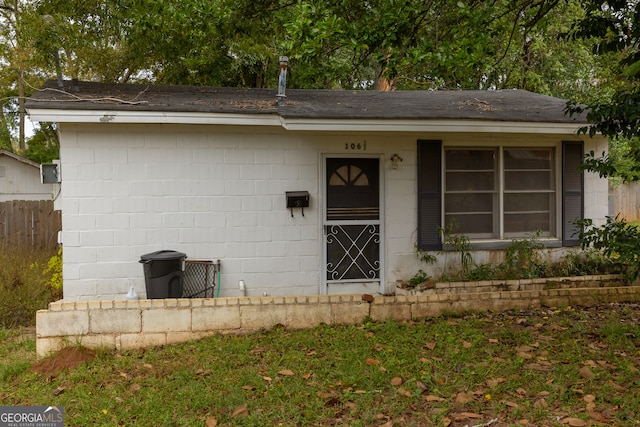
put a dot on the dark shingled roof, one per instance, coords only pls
(499, 105)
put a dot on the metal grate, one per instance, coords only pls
(199, 280)
(353, 252)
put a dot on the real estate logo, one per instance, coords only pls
(31, 416)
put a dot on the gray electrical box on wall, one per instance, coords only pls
(50, 173)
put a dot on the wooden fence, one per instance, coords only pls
(30, 223)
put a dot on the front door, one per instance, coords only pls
(352, 225)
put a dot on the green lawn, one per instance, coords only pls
(570, 366)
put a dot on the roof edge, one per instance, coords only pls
(303, 124)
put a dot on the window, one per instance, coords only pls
(498, 193)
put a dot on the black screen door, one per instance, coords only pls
(352, 220)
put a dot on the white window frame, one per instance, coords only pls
(556, 214)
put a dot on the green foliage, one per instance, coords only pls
(522, 257)
(616, 239)
(43, 146)
(419, 277)
(453, 239)
(24, 285)
(54, 269)
(614, 29)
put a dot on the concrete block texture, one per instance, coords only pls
(62, 323)
(145, 323)
(115, 321)
(166, 320)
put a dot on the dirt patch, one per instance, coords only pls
(70, 357)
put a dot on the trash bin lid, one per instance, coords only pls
(163, 255)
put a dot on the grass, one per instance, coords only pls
(571, 366)
(25, 284)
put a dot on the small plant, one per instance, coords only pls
(481, 272)
(420, 277)
(54, 267)
(424, 256)
(453, 238)
(522, 257)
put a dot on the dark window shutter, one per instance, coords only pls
(429, 194)
(572, 191)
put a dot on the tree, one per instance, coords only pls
(15, 50)
(614, 26)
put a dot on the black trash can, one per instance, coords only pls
(163, 273)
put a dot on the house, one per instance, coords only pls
(20, 179)
(327, 192)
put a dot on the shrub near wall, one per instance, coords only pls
(24, 284)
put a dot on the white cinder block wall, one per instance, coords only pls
(217, 192)
(210, 192)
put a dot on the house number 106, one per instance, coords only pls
(356, 146)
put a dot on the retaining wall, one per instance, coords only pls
(144, 323)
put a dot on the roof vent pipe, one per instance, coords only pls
(282, 82)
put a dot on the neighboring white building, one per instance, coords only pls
(206, 171)
(20, 179)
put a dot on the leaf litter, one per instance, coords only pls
(499, 369)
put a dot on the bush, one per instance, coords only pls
(25, 284)
(616, 239)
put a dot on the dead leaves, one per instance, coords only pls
(574, 422)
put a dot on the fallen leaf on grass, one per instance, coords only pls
(585, 372)
(395, 381)
(589, 398)
(434, 398)
(492, 382)
(267, 379)
(404, 392)
(464, 398)
(467, 344)
(58, 390)
(211, 422)
(430, 345)
(286, 372)
(466, 416)
(248, 387)
(422, 386)
(373, 362)
(204, 373)
(135, 387)
(599, 417)
(540, 404)
(240, 411)
(574, 422)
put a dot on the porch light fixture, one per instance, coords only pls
(395, 161)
